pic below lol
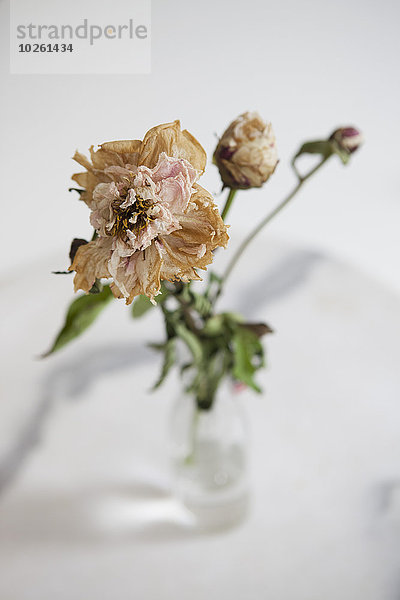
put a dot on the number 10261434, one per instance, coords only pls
(45, 48)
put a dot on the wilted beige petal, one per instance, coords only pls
(89, 179)
(179, 260)
(101, 159)
(191, 246)
(82, 160)
(173, 271)
(174, 256)
(123, 146)
(140, 274)
(110, 155)
(90, 263)
(148, 269)
(88, 182)
(170, 139)
(202, 223)
(82, 179)
(116, 291)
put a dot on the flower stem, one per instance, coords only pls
(264, 222)
(189, 459)
(228, 203)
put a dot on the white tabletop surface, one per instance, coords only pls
(85, 510)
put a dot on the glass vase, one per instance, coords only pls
(210, 458)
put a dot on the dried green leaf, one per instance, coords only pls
(81, 314)
(142, 304)
(169, 360)
(62, 272)
(96, 288)
(192, 342)
(248, 357)
(214, 326)
(80, 191)
(323, 147)
(201, 304)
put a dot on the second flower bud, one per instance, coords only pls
(246, 154)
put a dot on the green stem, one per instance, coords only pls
(228, 203)
(264, 222)
(189, 459)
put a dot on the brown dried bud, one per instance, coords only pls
(246, 154)
(348, 139)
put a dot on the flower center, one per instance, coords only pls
(133, 217)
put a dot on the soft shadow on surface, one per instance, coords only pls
(384, 525)
(387, 498)
(68, 380)
(72, 378)
(141, 511)
(276, 282)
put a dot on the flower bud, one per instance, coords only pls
(246, 154)
(348, 139)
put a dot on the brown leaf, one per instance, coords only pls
(259, 329)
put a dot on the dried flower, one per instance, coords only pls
(348, 139)
(153, 221)
(246, 154)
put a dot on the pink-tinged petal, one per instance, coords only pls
(123, 248)
(164, 223)
(117, 267)
(156, 222)
(102, 217)
(190, 247)
(171, 181)
(121, 174)
(167, 166)
(138, 274)
(176, 193)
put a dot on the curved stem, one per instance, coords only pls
(264, 222)
(228, 203)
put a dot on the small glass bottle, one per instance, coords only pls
(210, 458)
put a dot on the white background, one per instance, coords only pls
(308, 66)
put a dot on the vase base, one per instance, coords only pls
(216, 515)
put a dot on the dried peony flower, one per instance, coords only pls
(154, 222)
(348, 139)
(246, 155)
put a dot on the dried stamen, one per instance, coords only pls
(124, 215)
